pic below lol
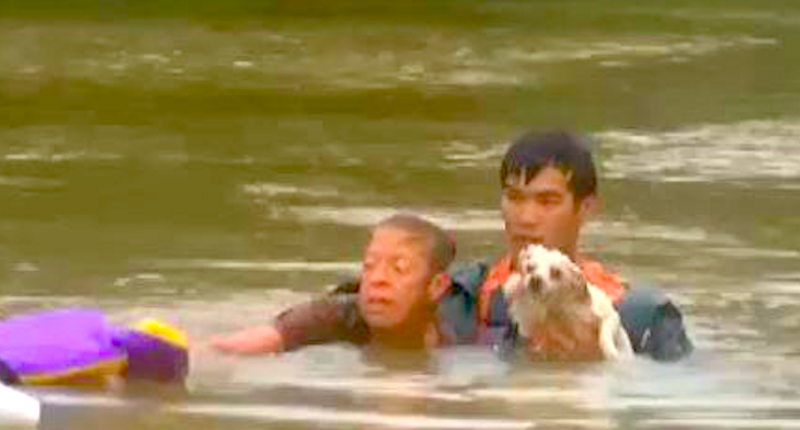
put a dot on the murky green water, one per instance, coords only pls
(210, 163)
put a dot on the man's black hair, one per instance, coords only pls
(563, 150)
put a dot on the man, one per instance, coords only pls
(549, 189)
(402, 281)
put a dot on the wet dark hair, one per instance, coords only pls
(440, 243)
(564, 150)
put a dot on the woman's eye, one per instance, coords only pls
(401, 266)
(513, 196)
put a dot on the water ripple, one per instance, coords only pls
(305, 414)
(740, 151)
(262, 266)
(759, 150)
(670, 47)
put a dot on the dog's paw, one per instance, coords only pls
(564, 342)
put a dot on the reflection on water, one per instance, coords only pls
(213, 168)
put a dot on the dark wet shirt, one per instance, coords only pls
(336, 318)
(333, 318)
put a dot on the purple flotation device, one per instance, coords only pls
(49, 347)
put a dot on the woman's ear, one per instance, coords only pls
(439, 286)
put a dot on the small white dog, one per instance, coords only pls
(547, 289)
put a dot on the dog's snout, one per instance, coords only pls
(535, 284)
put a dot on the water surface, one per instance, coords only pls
(211, 163)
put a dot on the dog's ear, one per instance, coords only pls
(576, 280)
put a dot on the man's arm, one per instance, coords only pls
(654, 324)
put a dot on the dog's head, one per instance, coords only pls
(551, 304)
(545, 284)
(542, 271)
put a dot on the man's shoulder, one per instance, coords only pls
(604, 278)
(458, 309)
(654, 323)
(469, 276)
